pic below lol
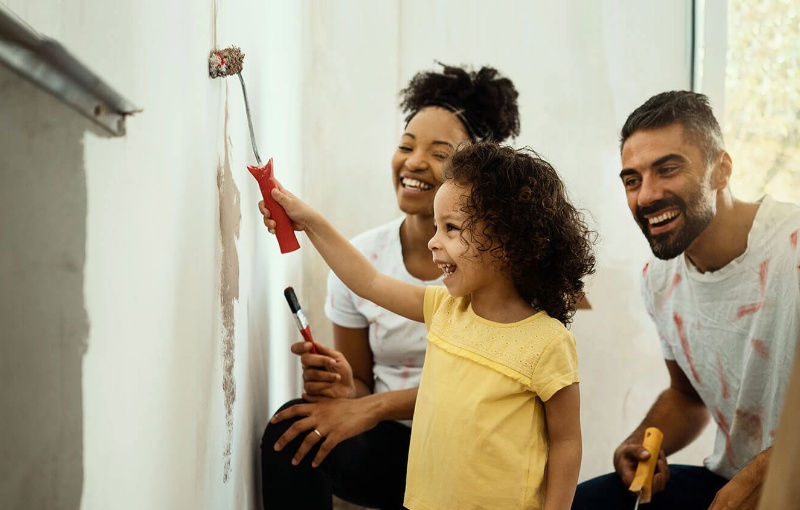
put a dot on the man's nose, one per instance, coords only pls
(649, 192)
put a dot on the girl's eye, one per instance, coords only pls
(451, 227)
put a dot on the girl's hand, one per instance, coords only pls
(297, 211)
(325, 374)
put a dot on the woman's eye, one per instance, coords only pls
(404, 148)
(441, 156)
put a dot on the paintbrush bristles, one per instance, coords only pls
(225, 62)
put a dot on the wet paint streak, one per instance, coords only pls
(726, 429)
(723, 381)
(763, 272)
(675, 281)
(685, 345)
(748, 309)
(229, 220)
(793, 240)
(760, 348)
(752, 308)
(405, 373)
(749, 423)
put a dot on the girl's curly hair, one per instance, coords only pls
(484, 101)
(528, 223)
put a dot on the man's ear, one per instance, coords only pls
(721, 176)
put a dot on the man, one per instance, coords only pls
(724, 292)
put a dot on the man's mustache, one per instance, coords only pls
(664, 203)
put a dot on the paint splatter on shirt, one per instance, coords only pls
(734, 331)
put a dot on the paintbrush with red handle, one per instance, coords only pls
(300, 317)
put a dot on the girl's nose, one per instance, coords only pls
(433, 244)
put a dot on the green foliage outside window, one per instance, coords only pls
(761, 121)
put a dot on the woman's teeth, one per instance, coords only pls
(415, 184)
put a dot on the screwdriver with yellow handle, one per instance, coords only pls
(643, 479)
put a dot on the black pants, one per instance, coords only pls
(688, 488)
(367, 470)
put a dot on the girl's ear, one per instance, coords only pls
(721, 176)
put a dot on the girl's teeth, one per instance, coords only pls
(447, 268)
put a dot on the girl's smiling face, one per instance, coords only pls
(467, 268)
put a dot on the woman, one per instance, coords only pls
(344, 437)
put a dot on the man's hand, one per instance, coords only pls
(627, 457)
(743, 490)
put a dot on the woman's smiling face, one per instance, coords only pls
(429, 139)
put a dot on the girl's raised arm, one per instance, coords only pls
(346, 261)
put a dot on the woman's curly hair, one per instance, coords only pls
(485, 101)
(528, 223)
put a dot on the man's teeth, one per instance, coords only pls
(447, 268)
(663, 217)
(415, 184)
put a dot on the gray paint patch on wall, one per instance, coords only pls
(230, 217)
(44, 322)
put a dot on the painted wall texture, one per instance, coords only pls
(145, 337)
(134, 301)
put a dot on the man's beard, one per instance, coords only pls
(695, 220)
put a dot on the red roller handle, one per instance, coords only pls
(283, 228)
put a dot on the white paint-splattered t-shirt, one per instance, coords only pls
(734, 331)
(397, 344)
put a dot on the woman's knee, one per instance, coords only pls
(275, 430)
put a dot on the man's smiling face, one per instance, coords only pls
(667, 184)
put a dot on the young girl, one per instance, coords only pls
(374, 369)
(497, 422)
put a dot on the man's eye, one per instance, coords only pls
(667, 170)
(630, 182)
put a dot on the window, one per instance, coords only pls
(761, 119)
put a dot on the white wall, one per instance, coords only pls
(174, 282)
(140, 259)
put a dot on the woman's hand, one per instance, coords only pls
(325, 374)
(328, 421)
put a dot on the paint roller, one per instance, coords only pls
(226, 62)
